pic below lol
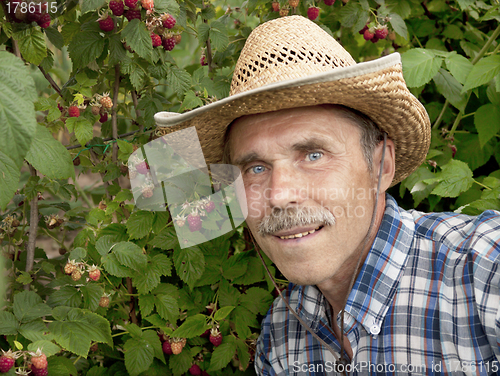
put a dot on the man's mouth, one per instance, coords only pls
(299, 234)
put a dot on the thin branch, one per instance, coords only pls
(136, 105)
(209, 47)
(133, 316)
(114, 120)
(33, 229)
(51, 81)
(105, 140)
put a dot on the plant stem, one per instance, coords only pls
(441, 114)
(459, 117)
(482, 185)
(130, 289)
(51, 81)
(33, 229)
(136, 105)
(487, 45)
(83, 195)
(114, 120)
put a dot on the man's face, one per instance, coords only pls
(311, 158)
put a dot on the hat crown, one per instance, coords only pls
(284, 49)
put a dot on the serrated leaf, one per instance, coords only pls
(455, 178)
(191, 100)
(146, 304)
(83, 130)
(35, 331)
(349, 14)
(65, 296)
(104, 244)
(92, 293)
(8, 324)
(401, 7)
(49, 156)
(152, 338)
(48, 348)
(487, 122)
(28, 306)
(167, 307)
(88, 5)
(130, 255)
(222, 313)
(32, 45)
(138, 38)
(398, 24)
(256, 300)
(55, 37)
(179, 80)
(222, 355)
(194, 326)
(451, 89)
(465, 3)
(139, 355)
(17, 121)
(180, 364)
(203, 32)
(459, 66)
(147, 279)
(189, 263)
(137, 78)
(74, 329)
(165, 240)
(140, 223)
(419, 66)
(114, 267)
(483, 72)
(61, 366)
(470, 151)
(116, 50)
(85, 48)
(218, 35)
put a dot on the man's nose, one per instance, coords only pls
(287, 187)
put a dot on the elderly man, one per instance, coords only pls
(374, 289)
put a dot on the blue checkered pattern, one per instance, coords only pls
(426, 302)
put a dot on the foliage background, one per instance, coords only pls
(451, 61)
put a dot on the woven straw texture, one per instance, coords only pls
(276, 51)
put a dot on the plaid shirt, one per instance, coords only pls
(426, 302)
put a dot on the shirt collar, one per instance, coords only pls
(378, 279)
(377, 282)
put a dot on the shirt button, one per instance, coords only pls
(375, 329)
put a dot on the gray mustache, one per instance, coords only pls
(287, 218)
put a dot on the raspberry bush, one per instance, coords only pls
(102, 287)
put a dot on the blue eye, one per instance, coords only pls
(257, 169)
(314, 156)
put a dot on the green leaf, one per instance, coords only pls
(180, 364)
(349, 14)
(137, 37)
(191, 100)
(218, 35)
(483, 72)
(104, 244)
(86, 47)
(78, 254)
(470, 151)
(222, 313)
(35, 331)
(256, 300)
(151, 337)
(83, 130)
(451, 89)
(74, 329)
(167, 307)
(453, 32)
(194, 326)
(28, 306)
(65, 296)
(167, 239)
(179, 80)
(114, 267)
(189, 263)
(97, 371)
(48, 348)
(116, 50)
(17, 121)
(147, 279)
(61, 366)
(401, 7)
(88, 5)
(222, 355)
(455, 178)
(32, 45)
(398, 24)
(55, 37)
(465, 3)
(459, 66)
(8, 324)
(487, 122)
(92, 293)
(130, 255)
(139, 224)
(139, 356)
(228, 294)
(234, 266)
(49, 156)
(146, 304)
(419, 66)
(203, 32)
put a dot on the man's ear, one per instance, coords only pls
(388, 167)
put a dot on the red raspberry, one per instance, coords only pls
(6, 363)
(368, 35)
(329, 2)
(169, 43)
(195, 370)
(362, 31)
(117, 7)
(203, 60)
(177, 38)
(148, 4)
(35, 16)
(94, 274)
(103, 118)
(210, 206)
(131, 3)
(194, 222)
(215, 337)
(147, 192)
(156, 39)
(168, 21)
(177, 345)
(104, 302)
(44, 21)
(374, 39)
(313, 13)
(276, 6)
(293, 3)
(39, 361)
(203, 373)
(142, 167)
(107, 24)
(167, 348)
(35, 371)
(73, 111)
(70, 267)
(133, 14)
(381, 32)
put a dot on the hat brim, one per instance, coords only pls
(375, 88)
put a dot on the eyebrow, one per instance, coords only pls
(313, 143)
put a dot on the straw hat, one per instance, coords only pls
(291, 62)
